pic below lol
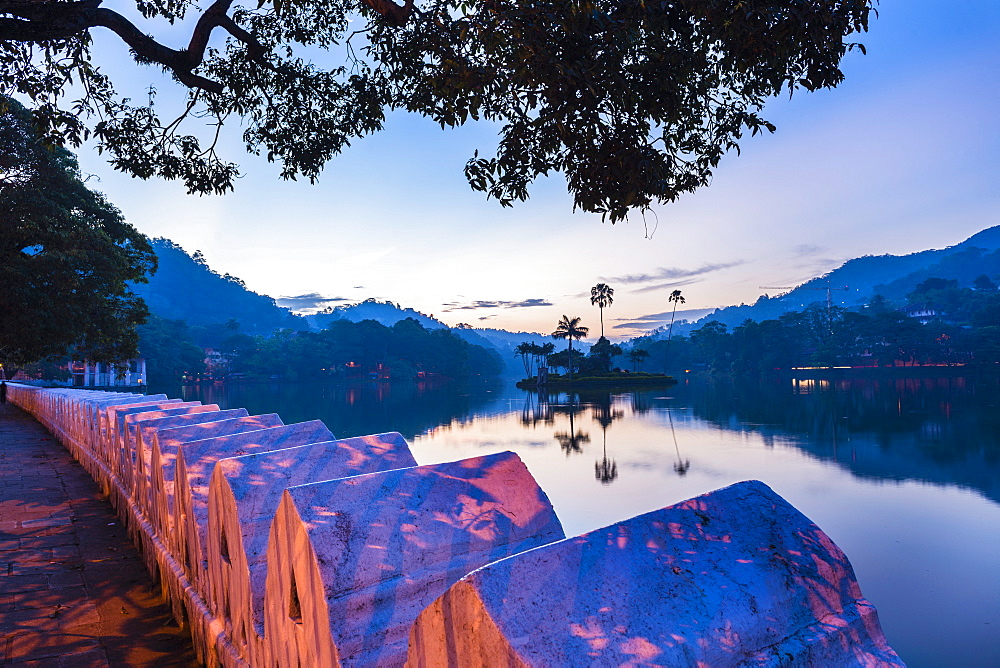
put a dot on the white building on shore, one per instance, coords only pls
(97, 374)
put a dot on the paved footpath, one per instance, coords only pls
(73, 591)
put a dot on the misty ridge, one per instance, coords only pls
(206, 308)
(891, 276)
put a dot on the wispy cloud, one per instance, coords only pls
(652, 317)
(481, 304)
(664, 286)
(807, 250)
(672, 274)
(309, 301)
(633, 326)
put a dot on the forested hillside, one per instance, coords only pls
(385, 313)
(940, 322)
(186, 288)
(194, 307)
(893, 276)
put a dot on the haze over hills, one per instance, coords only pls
(186, 288)
(856, 281)
(389, 314)
(385, 313)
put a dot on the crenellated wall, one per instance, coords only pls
(280, 545)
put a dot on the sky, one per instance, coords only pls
(901, 157)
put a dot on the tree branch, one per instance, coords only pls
(147, 49)
(255, 48)
(396, 16)
(41, 20)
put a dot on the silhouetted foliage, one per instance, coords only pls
(634, 102)
(170, 352)
(941, 324)
(637, 356)
(358, 350)
(66, 256)
(569, 329)
(602, 352)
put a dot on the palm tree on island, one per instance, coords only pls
(637, 355)
(602, 295)
(570, 328)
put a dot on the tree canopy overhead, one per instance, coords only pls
(634, 102)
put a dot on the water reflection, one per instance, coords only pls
(571, 441)
(360, 408)
(939, 430)
(605, 470)
(681, 466)
(903, 473)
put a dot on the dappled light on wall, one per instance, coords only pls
(735, 576)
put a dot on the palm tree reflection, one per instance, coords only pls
(536, 409)
(605, 470)
(572, 441)
(680, 466)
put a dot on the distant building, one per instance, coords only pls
(922, 313)
(98, 374)
(217, 363)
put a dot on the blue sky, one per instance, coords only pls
(903, 156)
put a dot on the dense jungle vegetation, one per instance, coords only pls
(940, 323)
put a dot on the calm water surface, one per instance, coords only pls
(904, 474)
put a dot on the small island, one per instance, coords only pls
(612, 379)
(593, 369)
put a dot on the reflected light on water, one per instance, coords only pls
(903, 473)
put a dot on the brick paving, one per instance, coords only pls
(73, 590)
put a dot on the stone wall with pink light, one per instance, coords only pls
(281, 545)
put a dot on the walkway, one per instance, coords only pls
(73, 591)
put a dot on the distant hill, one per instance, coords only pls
(503, 340)
(504, 343)
(185, 288)
(892, 276)
(389, 314)
(385, 313)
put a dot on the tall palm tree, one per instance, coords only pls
(543, 351)
(570, 328)
(676, 298)
(524, 351)
(602, 295)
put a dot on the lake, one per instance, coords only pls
(902, 473)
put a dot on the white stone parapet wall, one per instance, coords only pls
(281, 545)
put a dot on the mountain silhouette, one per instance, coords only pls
(185, 288)
(892, 276)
